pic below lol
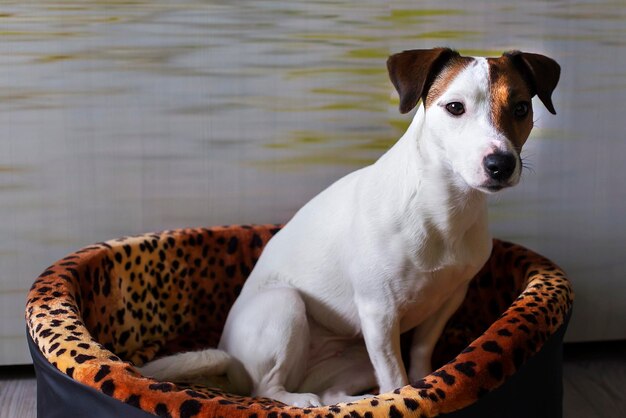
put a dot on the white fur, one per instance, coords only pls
(470, 138)
(384, 250)
(188, 365)
(208, 367)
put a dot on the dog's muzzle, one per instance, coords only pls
(500, 166)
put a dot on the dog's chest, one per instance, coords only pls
(421, 297)
(420, 294)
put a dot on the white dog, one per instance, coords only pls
(387, 249)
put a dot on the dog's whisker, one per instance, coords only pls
(528, 165)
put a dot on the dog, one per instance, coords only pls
(387, 249)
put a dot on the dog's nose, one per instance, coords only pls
(500, 165)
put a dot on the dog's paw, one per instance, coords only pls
(332, 398)
(302, 400)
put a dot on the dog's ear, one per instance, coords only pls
(412, 72)
(541, 73)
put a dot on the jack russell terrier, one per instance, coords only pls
(387, 249)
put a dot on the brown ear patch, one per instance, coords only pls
(451, 70)
(540, 72)
(413, 72)
(508, 88)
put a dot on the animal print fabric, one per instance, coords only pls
(100, 311)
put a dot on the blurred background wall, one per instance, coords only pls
(122, 117)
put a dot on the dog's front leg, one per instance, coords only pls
(427, 334)
(381, 332)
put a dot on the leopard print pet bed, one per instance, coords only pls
(97, 313)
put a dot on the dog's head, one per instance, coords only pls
(478, 111)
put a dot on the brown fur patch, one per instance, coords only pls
(508, 88)
(445, 77)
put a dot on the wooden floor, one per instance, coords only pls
(594, 381)
(17, 392)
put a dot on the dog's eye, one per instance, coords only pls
(521, 109)
(455, 108)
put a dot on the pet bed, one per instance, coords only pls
(95, 314)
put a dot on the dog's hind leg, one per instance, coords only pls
(269, 333)
(342, 375)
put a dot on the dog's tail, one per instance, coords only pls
(212, 366)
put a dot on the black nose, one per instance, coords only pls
(500, 165)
